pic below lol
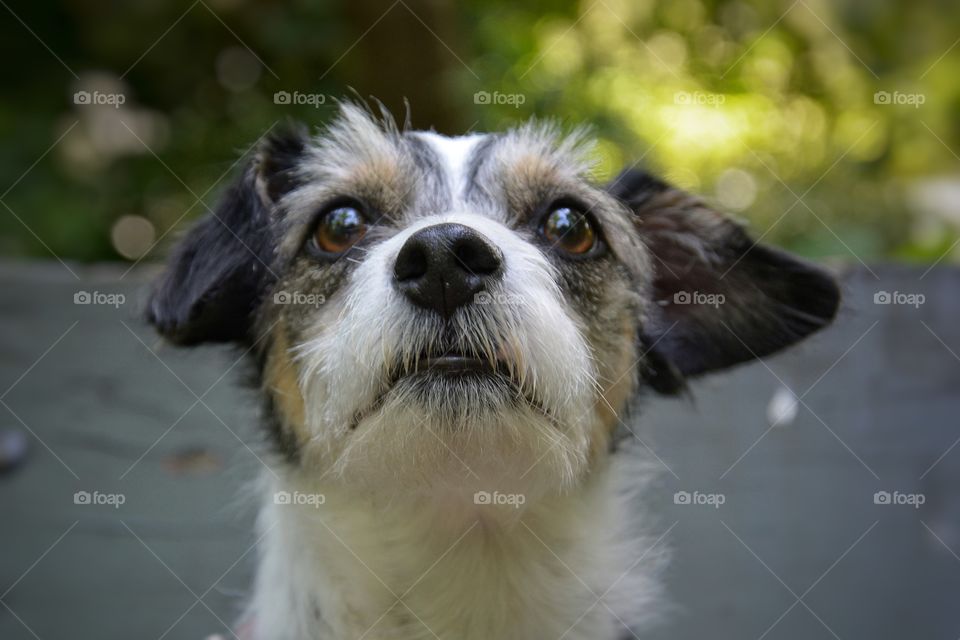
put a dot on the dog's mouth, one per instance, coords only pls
(452, 363)
(452, 369)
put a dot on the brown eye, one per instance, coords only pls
(569, 229)
(340, 229)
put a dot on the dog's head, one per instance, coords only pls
(429, 309)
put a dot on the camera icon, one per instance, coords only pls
(881, 497)
(682, 97)
(82, 497)
(682, 297)
(481, 97)
(282, 497)
(482, 297)
(82, 97)
(281, 97)
(882, 297)
(282, 297)
(882, 97)
(681, 497)
(82, 297)
(482, 497)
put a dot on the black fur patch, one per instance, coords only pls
(218, 272)
(279, 160)
(769, 299)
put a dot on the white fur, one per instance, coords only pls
(455, 152)
(571, 567)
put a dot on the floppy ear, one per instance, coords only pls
(217, 273)
(721, 299)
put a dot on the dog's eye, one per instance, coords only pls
(339, 229)
(569, 229)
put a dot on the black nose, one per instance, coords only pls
(443, 267)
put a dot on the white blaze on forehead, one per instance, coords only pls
(454, 154)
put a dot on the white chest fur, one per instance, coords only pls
(444, 567)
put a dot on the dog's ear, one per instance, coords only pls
(218, 272)
(720, 298)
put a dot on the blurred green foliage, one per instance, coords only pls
(831, 126)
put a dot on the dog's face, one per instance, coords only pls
(433, 311)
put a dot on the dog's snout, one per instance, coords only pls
(442, 267)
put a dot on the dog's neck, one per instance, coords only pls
(359, 565)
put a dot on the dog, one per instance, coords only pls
(450, 336)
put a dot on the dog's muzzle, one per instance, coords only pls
(443, 267)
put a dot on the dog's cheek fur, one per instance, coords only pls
(285, 407)
(602, 293)
(302, 298)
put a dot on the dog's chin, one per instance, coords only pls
(452, 390)
(461, 424)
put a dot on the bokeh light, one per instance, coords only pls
(751, 104)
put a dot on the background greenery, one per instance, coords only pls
(769, 109)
